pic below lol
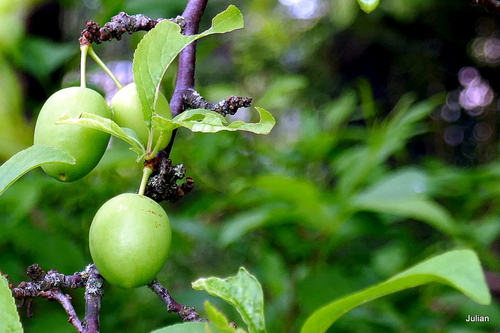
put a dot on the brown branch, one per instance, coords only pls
(187, 58)
(186, 313)
(187, 61)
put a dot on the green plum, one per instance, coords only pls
(129, 240)
(86, 145)
(127, 112)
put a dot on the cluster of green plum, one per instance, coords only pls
(130, 234)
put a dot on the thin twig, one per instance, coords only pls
(184, 312)
(120, 24)
(65, 301)
(230, 105)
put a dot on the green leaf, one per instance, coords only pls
(90, 120)
(9, 318)
(242, 291)
(28, 159)
(368, 5)
(199, 115)
(211, 122)
(218, 320)
(189, 327)
(459, 269)
(159, 47)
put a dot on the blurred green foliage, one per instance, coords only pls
(355, 183)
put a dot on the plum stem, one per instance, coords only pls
(146, 172)
(104, 67)
(157, 146)
(83, 64)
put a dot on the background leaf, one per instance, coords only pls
(403, 193)
(419, 208)
(459, 269)
(28, 159)
(242, 291)
(9, 318)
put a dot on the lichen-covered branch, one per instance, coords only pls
(49, 284)
(230, 105)
(186, 313)
(42, 281)
(120, 24)
(93, 298)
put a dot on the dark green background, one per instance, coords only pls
(279, 205)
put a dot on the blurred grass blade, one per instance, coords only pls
(419, 208)
(403, 193)
(459, 269)
(28, 159)
(242, 291)
(189, 327)
(367, 100)
(400, 184)
(243, 223)
(9, 318)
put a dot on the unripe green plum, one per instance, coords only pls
(129, 240)
(127, 112)
(86, 145)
